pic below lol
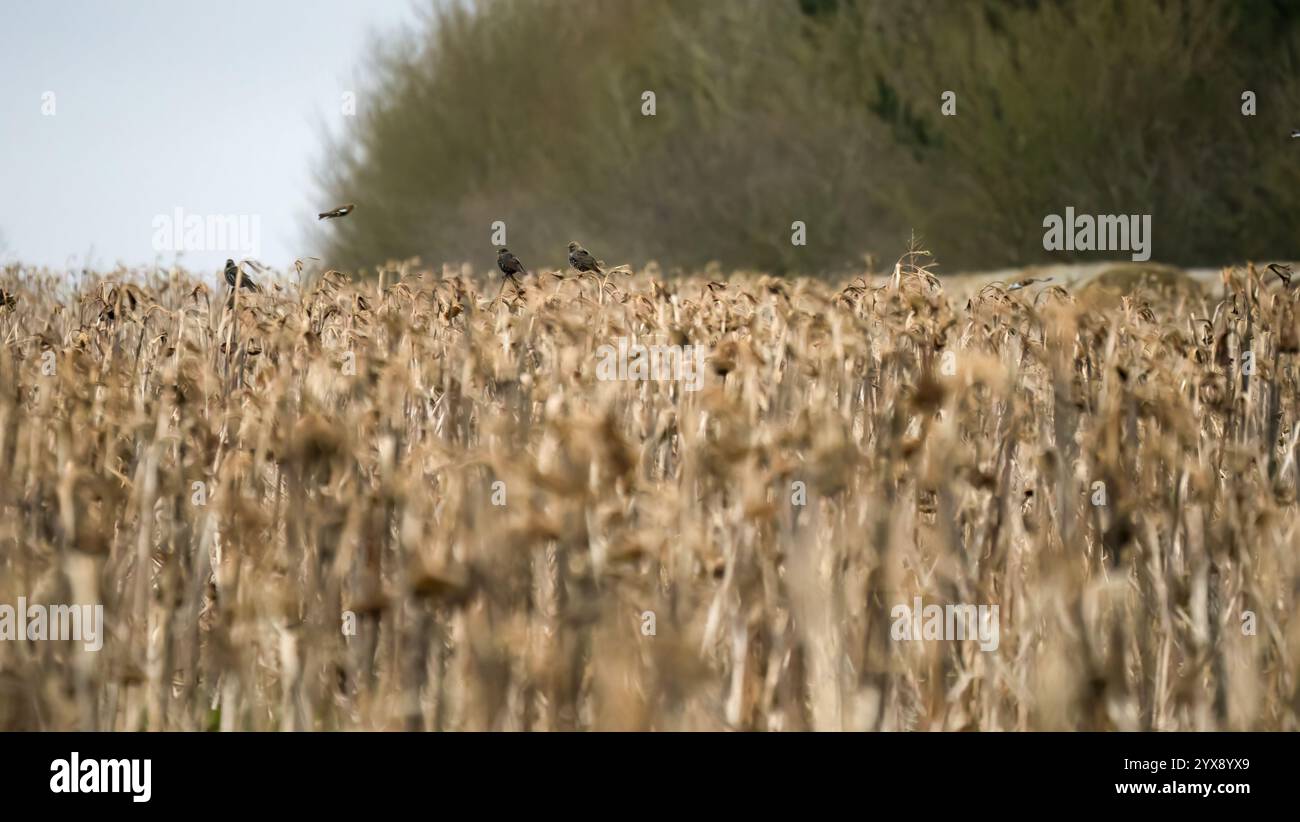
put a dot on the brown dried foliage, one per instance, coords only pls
(348, 437)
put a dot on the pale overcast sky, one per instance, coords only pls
(213, 108)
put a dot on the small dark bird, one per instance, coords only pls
(341, 211)
(232, 277)
(580, 259)
(510, 266)
(7, 300)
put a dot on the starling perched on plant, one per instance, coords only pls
(582, 260)
(233, 276)
(509, 264)
(341, 211)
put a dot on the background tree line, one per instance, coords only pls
(825, 111)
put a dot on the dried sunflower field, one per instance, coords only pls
(413, 504)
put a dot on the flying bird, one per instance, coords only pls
(510, 266)
(582, 260)
(233, 277)
(1028, 281)
(341, 211)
